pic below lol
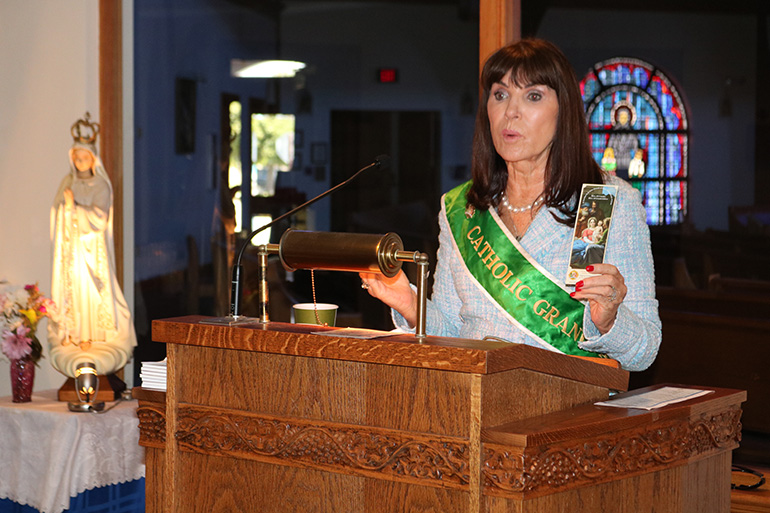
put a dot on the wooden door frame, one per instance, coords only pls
(111, 114)
(499, 24)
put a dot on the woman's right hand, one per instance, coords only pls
(394, 292)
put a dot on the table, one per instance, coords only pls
(50, 454)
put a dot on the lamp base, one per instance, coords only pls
(110, 389)
(85, 407)
(231, 320)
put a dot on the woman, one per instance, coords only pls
(92, 322)
(506, 235)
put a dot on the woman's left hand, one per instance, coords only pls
(604, 292)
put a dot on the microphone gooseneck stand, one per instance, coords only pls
(381, 162)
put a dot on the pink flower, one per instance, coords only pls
(16, 345)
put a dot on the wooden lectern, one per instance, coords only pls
(277, 418)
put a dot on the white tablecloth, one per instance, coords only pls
(49, 454)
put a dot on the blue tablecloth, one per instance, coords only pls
(120, 498)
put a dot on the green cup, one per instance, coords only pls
(304, 313)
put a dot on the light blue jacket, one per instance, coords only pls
(460, 307)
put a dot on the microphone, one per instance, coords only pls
(380, 162)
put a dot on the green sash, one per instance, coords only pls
(525, 291)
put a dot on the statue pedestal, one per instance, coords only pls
(110, 388)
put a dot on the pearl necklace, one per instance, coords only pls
(517, 210)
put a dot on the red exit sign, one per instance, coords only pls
(387, 75)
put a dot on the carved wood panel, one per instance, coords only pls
(152, 425)
(388, 454)
(519, 472)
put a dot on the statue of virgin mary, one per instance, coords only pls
(92, 322)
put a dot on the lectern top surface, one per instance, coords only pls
(440, 353)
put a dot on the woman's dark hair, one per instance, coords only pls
(570, 163)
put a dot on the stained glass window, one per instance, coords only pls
(639, 131)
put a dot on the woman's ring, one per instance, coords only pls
(614, 294)
(364, 285)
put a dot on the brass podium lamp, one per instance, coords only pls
(330, 251)
(353, 252)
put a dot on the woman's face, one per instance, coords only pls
(523, 122)
(83, 160)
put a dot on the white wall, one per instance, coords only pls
(50, 68)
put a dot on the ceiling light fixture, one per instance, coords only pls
(265, 69)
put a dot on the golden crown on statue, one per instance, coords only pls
(84, 131)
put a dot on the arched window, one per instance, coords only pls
(639, 131)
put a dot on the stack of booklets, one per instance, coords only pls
(153, 375)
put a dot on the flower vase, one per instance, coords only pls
(22, 379)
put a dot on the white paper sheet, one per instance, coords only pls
(655, 398)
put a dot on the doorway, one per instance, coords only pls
(403, 198)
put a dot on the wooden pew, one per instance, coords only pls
(715, 339)
(726, 302)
